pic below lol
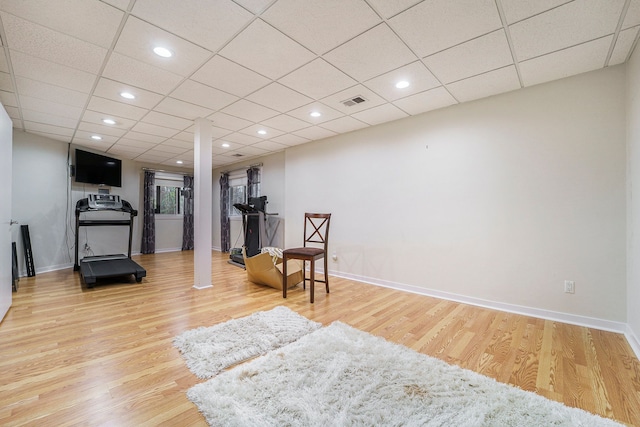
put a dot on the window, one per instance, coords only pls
(169, 199)
(237, 193)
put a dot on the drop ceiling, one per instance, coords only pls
(263, 66)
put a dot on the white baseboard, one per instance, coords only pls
(633, 341)
(590, 322)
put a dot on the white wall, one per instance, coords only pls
(633, 152)
(41, 200)
(501, 199)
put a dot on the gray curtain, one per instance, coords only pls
(149, 215)
(187, 222)
(253, 182)
(225, 229)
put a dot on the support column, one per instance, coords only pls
(202, 218)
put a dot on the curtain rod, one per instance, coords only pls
(165, 171)
(257, 165)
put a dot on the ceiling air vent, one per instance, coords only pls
(353, 101)
(237, 155)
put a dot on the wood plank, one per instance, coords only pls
(104, 356)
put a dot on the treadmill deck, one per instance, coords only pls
(104, 266)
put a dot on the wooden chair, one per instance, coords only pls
(316, 232)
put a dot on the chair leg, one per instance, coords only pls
(312, 274)
(284, 276)
(304, 274)
(326, 274)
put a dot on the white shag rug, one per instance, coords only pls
(209, 350)
(340, 376)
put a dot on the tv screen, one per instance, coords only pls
(97, 169)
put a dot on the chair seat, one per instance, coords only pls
(303, 252)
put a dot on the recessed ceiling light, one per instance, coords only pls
(315, 114)
(127, 95)
(179, 162)
(109, 121)
(262, 132)
(162, 51)
(225, 145)
(96, 137)
(402, 84)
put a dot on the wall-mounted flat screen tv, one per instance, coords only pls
(96, 169)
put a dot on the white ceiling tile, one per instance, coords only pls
(279, 97)
(4, 65)
(230, 146)
(43, 128)
(271, 146)
(344, 124)
(373, 53)
(37, 89)
(253, 131)
(389, 8)
(153, 156)
(101, 129)
(136, 141)
(327, 113)
(381, 114)
(632, 18)
(170, 149)
(49, 45)
(50, 107)
(241, 138)
(314, 133)
(567, 62)
(99, 146)
(254, 6)
(317, 79)
(178, 108)
(321, 26)
(167, 120)
(118, 109)
(73, 17)
(432, 26)
(230, 77)
(217, 132)
(568, 25)
(97, 117)
(51, 136)
(126, 150)
(474, 57)
(8, 99)
(82, 135)
(624, 43)
(249, 111)
(139, 38)
(59, 75)
(120, 4)
(207, 23)
(5, 82)
(251, 150)
(203, 95)
(426, 101)
(154, 130)
(179, 144)
(48, 119)
(111, 89)
(131, 71)
(336, 100)
(419, 77)
(491, 83)
(290, 139)
(286, 123)
(517, 10)
(229, 122)
(265, 50)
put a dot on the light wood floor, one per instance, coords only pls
(104, 356)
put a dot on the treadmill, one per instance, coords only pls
(93, 268)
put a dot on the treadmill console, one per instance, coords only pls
(105, 201)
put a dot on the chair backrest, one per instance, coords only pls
(316, 229)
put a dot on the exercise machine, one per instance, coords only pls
(257, 232)
(93, 268)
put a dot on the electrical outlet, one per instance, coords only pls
(570, 287)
